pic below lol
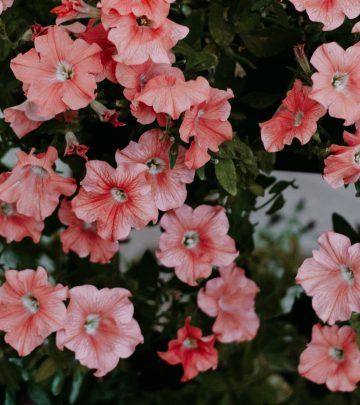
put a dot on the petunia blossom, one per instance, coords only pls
(296, 118)
(194, 241)
(137, 39)
(100, 327)
(4, 4)
(82, 237)
(74, 9)
(30, 308)
(332, 278)
(208, 124)
(172, 95)
(231, 299)
(343, 165)
(168, 185)
(332, 358)
(195, 352)
(34, 187)
(59, 73)
(331, 13)
(118, 199)
(336, 84)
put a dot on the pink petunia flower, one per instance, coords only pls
(343, 166)
(168, 185)
(137, 39)
(231, 299)
(74, 9)
(332, 358)
(73, 147)
(100, 327)
(296, 118)
(336, 85)
(172, 95)
(82, 237)
(331, 13)
(24, 118)
(4, 4)
(208, 124)
(34, 186)
(194, 241)
(332, 278)
(30, 308)
(356, 28)
(195, 352)
(59, 73)
(118, 199)
(106, 115)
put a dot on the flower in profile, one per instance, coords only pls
(34, 186)
(74, 9)
(60, 67)
(137, 39)
(194, 241)
(24, 118)
(296, 118)
(168, 185)
(208, 124)
(332, 358)
(331, 13)
(172, 95)
(30, 308)
(4, 4)
(117, 199)
(15, 226)
(82, 237)
(195, 352)
(343, 166)
(73, 147)
(336, 84)
(332, 278)
(106, 115)
(100, 327)
(231, 299)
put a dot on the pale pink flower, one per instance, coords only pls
(82, 237)
(231, 299)
(356, 28)
(208, 124)
(195, 352)
(332, 358)
(332, 278)
(34, 186)
(118, 199)
(30, 308)
(4, 4)
(343, 166)
(168, 185)
(194, 241)
(74, 9)
(296, 118)
(137, 39)
(172, 95)
(100, 327)
(24, 118)
(331, 13)
(336, 85)
(59, 73)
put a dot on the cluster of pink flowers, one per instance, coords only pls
(332, 278)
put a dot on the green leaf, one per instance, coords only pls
(39, 395)
(173, 154)
(355, 324)
(282, 185)
(226, 174)
(77, 381)
(340, 225)
(57, 383)
(219, 25)
(200, 61)
(46, 370)
(201, 173)
(277, 205)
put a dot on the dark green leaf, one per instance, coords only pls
(340, 225)
(173, 154)
(226, 174)
(220, 26)
(47, 369)
(277, 205)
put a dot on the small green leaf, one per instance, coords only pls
(219, 25)
(277, 205)
(39, 395)
(57, 383)
(201, 173)
(340, 225)
(282, 185)
(226, 174)
(76, 386)
(46, 370)
(173, 154)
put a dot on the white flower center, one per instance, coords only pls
(190, 343)
(30, 303)
(92, 323)
(340, 80)
(191, 239)
(298, 118)
(7, 209)
(200, 113)
(39, 171)
(64, 71)
(88, 226)
(357, 158)
(155, 165)
(347, 274)
(119, 195)
(336, 353)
